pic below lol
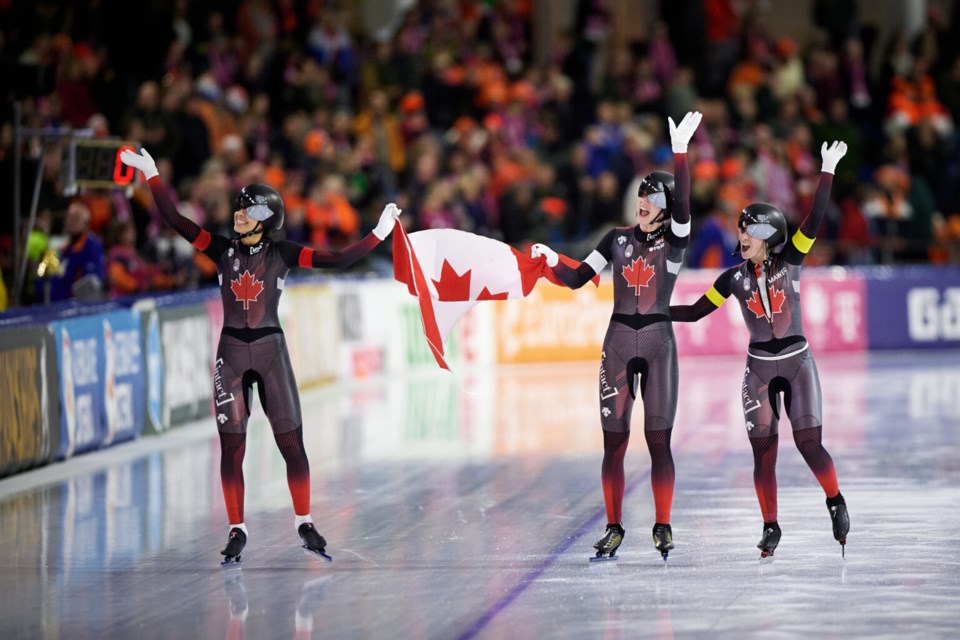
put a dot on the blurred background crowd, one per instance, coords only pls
(468, 115)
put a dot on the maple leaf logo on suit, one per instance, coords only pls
(247, 289)
(638, 274)
(777, 298)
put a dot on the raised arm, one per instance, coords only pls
(798, 247)
(181, 224)
(680, 136)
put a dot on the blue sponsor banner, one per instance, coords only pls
(153, 361)
(123, 375)
(913, 308)
(79, 354)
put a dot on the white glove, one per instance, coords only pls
(141, 161)
(680, 134)
(387, 219)
(538, 250)
(831, 156)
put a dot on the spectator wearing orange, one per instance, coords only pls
(413, 117)
(714, 245)
(210, 108)
(127, 271)
(889, 210)
(333, 220)
(487, 79)
(737, 186)
(377, 122)
(752, 71)
(913, 98)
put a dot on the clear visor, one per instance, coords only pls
(258, 212)
(656, 198)
(760, 230)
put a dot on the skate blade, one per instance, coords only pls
(319, 554)
(766, 557)
(598, 559)
(231, 563)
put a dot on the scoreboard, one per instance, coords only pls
(95, 163)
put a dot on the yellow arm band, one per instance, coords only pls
(802, 242)
(714, 296)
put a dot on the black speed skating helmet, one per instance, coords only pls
(263, 204)
(658, 187)
(764, 221)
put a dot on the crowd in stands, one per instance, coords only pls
(452, 114)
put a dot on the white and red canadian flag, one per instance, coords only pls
(450, 271)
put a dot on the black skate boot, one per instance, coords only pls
(607, 545)
(313, 541)
(235, 544)
(769, 540)
(840, 519)
(663, 539)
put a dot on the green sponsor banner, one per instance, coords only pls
(418, 353)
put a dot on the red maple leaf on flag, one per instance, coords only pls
(638, 274)
(497, 270)
(452, 286)
(486, 295)
(247, 288)
(777, 298)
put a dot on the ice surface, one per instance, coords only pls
(460, 515)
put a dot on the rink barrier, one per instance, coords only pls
(99, 368)
(75, 378)
(915, 308)
(101, 387)
(29, 402)
(186, 354)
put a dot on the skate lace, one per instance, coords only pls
(662, 538)
(608, 538)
